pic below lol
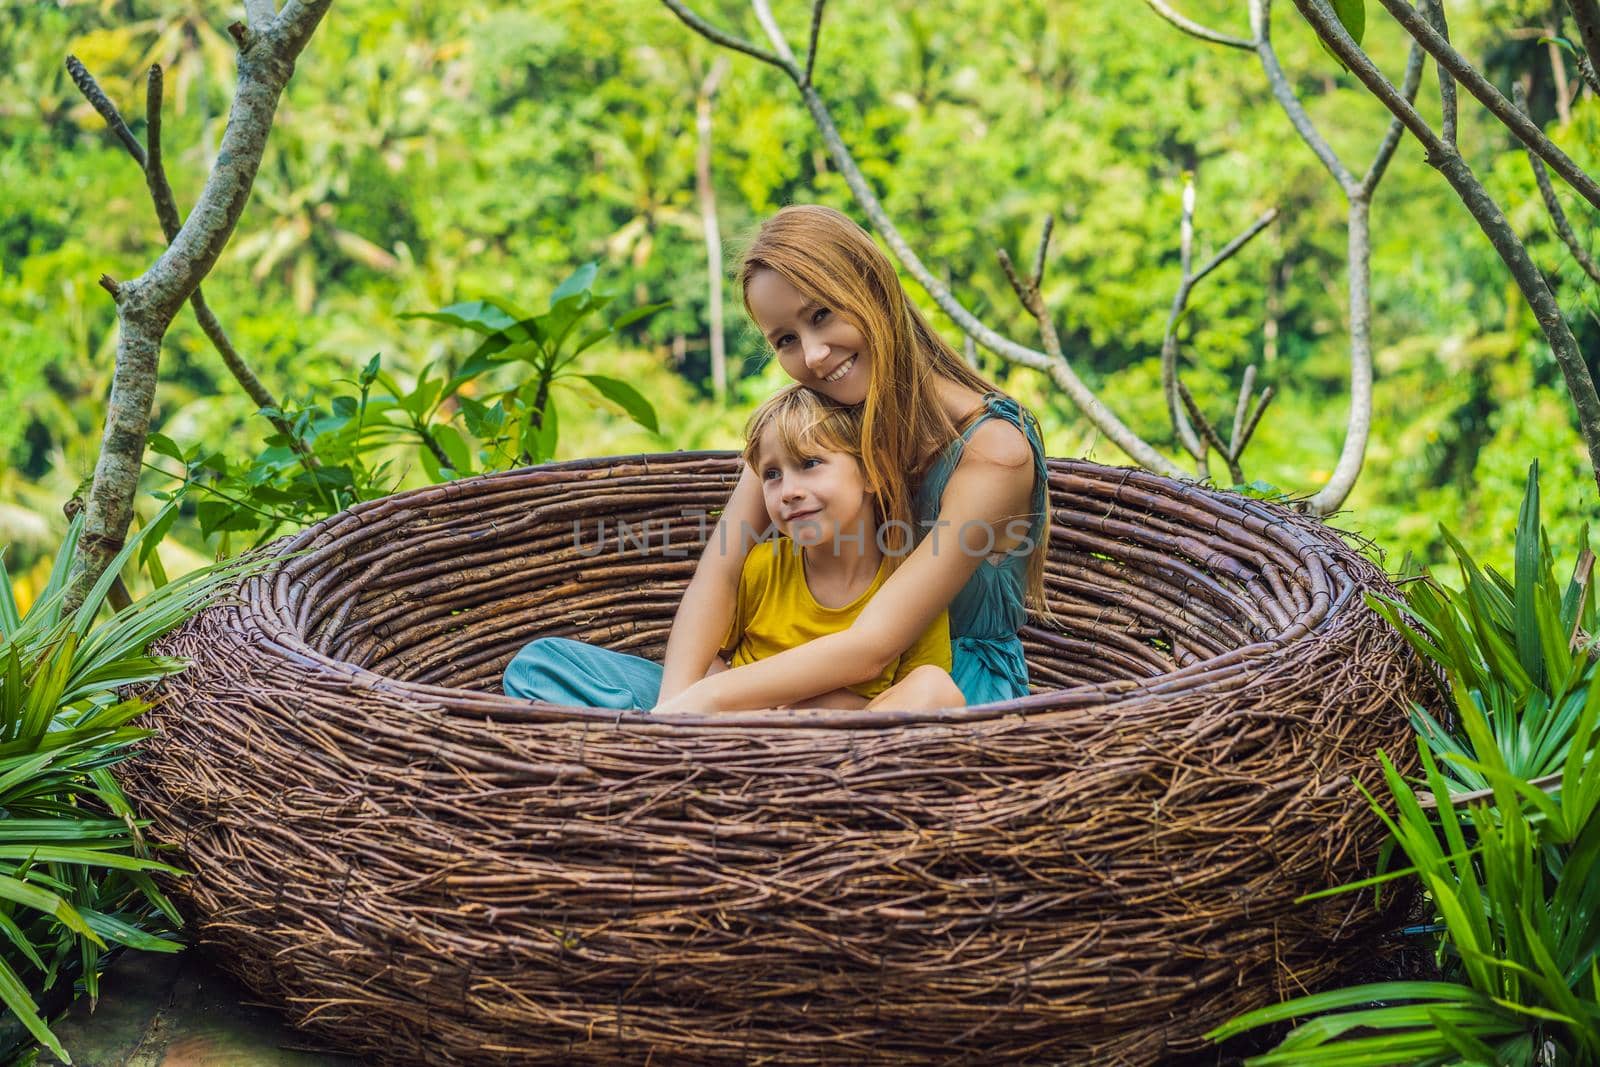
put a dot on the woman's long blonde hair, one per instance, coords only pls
(832, 261)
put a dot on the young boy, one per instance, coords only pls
(813, 579)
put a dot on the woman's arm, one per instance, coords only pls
(990, 486)
(708, 603)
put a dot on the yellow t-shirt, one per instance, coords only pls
(776, 611)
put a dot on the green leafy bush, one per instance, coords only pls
(75, 873)
(1501, 832)
(347, 449)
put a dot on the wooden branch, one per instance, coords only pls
(1396, 130)
(260, 13)
(710, 230)
(1051, 362)
(1587, 71)
(147, 304)
(1484, 211)
(1475, 83)
(101, 103)
(1246, 389)
(816, 32)
(724, 38)
(1209, 432)
(1358, 195)
(1265, 219)
(1586, 16)
(1283, 92)
(1194, 29)
(1255, 417)
(1557, 216)
(1433, 10)
(1171, 385)
(149, 158)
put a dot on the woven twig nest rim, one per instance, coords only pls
(426, 871)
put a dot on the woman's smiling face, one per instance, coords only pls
(816, 346)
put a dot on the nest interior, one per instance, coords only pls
(425, 871)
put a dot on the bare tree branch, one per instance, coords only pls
(150, 161)
(1209, 432)
(1171, 385)
(1255, 418)
(108, 111)
(1475, 83)
(1052, 363)
(260, 13)
(816, 31)
(1283, 92)
(1434, 10)
(1396, 130)
(146, 305)
(724, 38)
(1194, 29)
(1586, 15)
(1587, 71)
(1557, 216)
(1246, 388)
(1481, 206)
(708, 218)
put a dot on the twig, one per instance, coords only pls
(1475, 83)
(1255, 417)
(150, 160)
(101, 103)
(1170, 384)
(816, 31)
(144, 316)
(1434, 9)
(1586, 16)
(1553, 205)
(1246, 387)
(1194, 29)
(1396, 130)
(724, 38)
(1484, 211)
(1209, 432)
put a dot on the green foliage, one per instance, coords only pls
(518, 422)
(1504, 840)
(338, 453)
(75, 875)
(1520, 653)
(495, 148)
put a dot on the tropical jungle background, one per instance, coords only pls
(429, 154)
(495, 234)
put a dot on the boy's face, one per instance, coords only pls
(815, 497)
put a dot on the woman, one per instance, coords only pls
(960, 466)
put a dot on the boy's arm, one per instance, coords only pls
(701, 623)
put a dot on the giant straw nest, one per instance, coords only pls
(425, 871)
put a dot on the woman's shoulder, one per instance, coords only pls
(999, 444)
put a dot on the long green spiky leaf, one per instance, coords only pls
(15, 997)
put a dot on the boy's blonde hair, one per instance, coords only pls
(806, 421)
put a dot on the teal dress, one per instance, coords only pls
(986, 654)
(985, 651)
